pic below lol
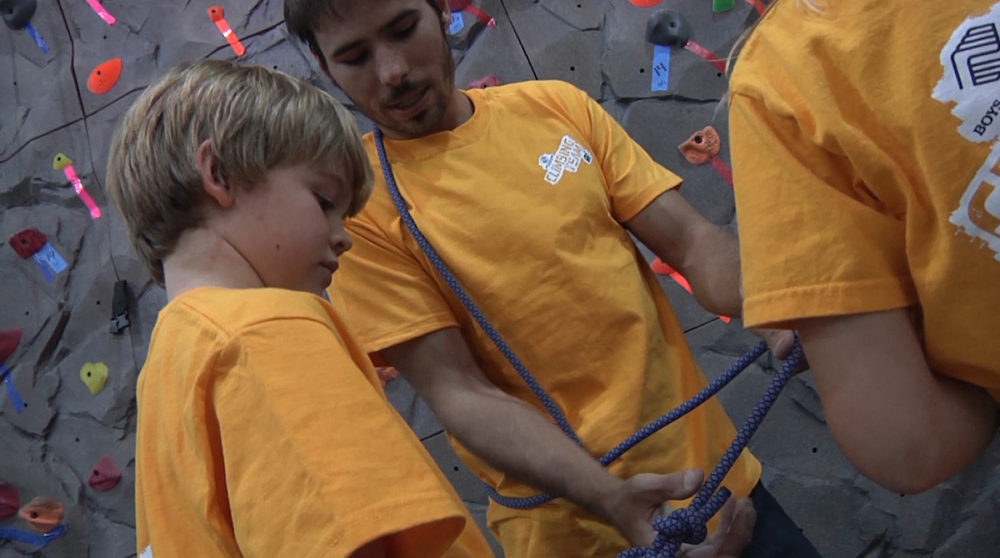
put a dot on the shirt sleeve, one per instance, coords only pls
(316, 461)
(633, 179)
(374, 267)
(814, 240)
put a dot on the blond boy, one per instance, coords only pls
(262, 429)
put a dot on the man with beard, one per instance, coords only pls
(528, 193)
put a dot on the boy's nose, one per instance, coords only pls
(340, 240)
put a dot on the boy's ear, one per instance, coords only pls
(211, 181)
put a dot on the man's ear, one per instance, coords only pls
(445, 11)
(211, 180)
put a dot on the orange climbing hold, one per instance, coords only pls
(701, 146)
(105, 76)
(10, 500)
(106, 475)
(43, 514)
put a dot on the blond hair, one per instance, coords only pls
(255, 119)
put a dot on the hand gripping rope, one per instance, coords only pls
(684, 525)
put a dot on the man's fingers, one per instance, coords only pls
(735, 530)
(675, 486)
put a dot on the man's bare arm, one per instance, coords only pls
(515, 438)
(707, 255)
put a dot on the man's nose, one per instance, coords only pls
(391, 65)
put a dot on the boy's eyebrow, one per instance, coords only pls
(392, 22)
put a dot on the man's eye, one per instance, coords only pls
(353, 59)
(404, 31)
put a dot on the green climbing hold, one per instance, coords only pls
(723, 5)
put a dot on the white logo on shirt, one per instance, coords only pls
(971, 80)
(148, 553)
(978, 214)
(566, 158)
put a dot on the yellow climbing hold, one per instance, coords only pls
(61, 161)
(95, 375)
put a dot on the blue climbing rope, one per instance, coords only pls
(687, 525)
(41, 540)
(684, 525)
(464, 297)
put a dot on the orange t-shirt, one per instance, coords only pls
(867, 170)
(525, 202)
(263, 431)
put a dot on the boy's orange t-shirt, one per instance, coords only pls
(263, 431)
(867, 170)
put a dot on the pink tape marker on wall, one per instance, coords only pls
(65, 164)
(101, 12)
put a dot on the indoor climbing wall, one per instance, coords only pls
(77, 308)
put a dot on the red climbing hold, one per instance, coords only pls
(9, 500)
(645, 3)
(105, 475)
(105, 76)
(9, 340)
(28, 242)
(488, 81)
(476, 11)
(43, 514)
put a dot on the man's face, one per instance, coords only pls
(391, 58)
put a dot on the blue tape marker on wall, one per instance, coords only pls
(457, 23)
(661, 68)
(50, 261)
(15, 397)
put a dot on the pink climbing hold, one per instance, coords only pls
(10, 500)
(28, 242)
(488, 81)
(467, 5)
(106, 475)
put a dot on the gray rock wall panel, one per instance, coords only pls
(51, 447)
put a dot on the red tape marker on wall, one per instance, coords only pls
(218, 15)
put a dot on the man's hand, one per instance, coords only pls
(780, 341)
(640, 498)
(632, 508)
(737, 518)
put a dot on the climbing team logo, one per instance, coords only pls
(971, 80)
(567, 158)
(971, 62)
(978, 214)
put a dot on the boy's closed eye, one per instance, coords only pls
(326, 205)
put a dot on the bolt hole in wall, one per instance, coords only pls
(642, 70)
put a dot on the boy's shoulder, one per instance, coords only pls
(233, 310)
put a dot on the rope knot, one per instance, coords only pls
(683, 525)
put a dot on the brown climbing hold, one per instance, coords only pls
(105, 475)
(44, 514)
(10, 500)
(701, 146)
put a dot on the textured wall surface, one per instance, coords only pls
(51, 446)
